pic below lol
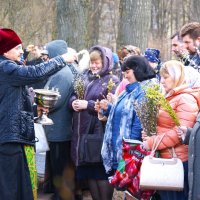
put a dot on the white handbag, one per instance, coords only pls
(161, 173)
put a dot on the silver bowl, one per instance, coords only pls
(45, 98)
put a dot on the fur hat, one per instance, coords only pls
(8, 40)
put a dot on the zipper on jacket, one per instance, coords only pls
(77, 146)
(87, 87)
(79, 116)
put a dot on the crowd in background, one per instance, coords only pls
(97, 88)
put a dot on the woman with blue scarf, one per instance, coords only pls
(122, 119)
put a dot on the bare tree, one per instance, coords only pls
(134, 22)
(195, 10)
(33, 20)
(72, 22)
(112, 23)
(84, 23)
(167, 18)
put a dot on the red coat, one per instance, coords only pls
(185, 102)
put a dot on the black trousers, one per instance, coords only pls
(15, 183)
(59, 171)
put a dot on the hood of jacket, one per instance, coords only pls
(56, 48)
(107, 58)
(195, 92)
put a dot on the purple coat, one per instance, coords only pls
(95, 88)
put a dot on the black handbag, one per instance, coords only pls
(90, 143)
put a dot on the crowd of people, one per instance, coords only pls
(97, 88)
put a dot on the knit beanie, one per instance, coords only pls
(8, 40)
(56, 48)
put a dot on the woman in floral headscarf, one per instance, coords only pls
(153, 57)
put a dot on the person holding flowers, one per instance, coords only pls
(122, 119)
(93, 85)
(184, 106)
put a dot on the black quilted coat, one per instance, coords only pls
(16, 115)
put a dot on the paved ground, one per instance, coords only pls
(86, 194)
(42, 196)
(117, 196)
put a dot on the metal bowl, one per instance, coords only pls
(46, 92)
(46, 98)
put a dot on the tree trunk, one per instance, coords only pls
(72, 22)
(194, 11)
(167, 18)
(84, 23)
(134, 24)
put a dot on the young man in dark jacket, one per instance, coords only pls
(59, 134)
(190, 35)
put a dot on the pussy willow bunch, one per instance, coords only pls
(147, 110)
(110, 84)
(159, 99)
(184, 57)
(79, 87)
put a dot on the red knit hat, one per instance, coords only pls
(8, 40)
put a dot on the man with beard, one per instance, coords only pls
(190, 34)
(179, 52)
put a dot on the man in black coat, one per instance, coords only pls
(16, 114)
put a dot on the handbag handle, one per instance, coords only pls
(155, 146)
(173, 154)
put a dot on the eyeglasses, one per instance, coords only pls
(19, 47)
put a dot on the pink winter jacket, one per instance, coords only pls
(185, 102)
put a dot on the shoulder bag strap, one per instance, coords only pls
(155, 146)
(173, 153)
